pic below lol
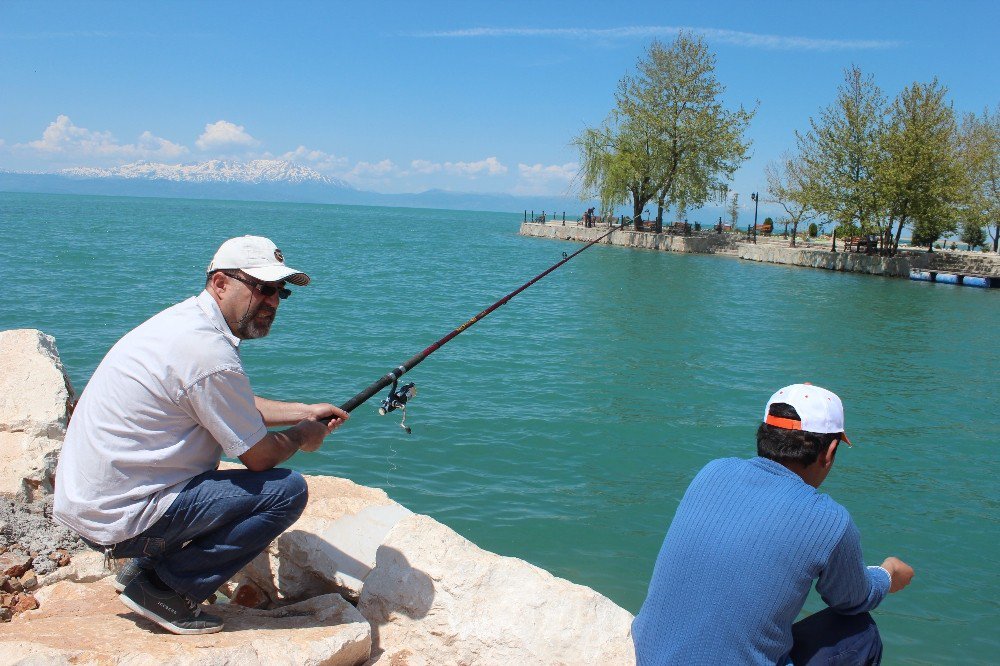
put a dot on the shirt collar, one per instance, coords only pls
(211, 309)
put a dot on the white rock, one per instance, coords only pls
(332, 547)
(35, 395)
(86, 624)
(435, 597)
(84, 567)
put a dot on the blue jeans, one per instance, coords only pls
(828, 638)
(219, 523)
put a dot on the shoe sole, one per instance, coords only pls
(166, 624)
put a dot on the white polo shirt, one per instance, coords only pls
(164, 404)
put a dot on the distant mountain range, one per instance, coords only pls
(214, 171)
(260, 180)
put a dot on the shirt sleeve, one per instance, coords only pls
(846, 584)
(222, 402)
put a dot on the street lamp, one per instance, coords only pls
(755, 202)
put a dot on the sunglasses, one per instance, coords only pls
(265, 290)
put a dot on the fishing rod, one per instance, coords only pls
(399, 395)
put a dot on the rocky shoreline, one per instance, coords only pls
(359, 579)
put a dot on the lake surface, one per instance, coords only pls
(564, 428)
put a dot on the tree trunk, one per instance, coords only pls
(996, 237)
(637, 209)
(795, 231)
(895, 244)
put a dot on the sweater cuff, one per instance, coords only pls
(888, 577)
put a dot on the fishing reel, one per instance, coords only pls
(397, 399)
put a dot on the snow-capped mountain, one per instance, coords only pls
(257, 180)
(254, 172)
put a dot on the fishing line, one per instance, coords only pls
(390, 464)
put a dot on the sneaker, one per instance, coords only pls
(125, 575)
(170, 610)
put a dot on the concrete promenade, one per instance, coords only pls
(776, 250)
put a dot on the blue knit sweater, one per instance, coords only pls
(747, 542)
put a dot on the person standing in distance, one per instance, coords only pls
(748, 540)
(138, 474)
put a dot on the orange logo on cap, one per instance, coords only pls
(277, 255)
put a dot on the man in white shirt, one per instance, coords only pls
(138, 476)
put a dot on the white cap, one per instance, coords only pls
(257, 257)
(819, 410)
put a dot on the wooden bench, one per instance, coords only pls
(867, 244)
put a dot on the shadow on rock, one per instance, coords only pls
(394, 588)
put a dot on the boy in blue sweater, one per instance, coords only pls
(748, 540)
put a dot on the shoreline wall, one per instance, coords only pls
(628, 238)
(777, 251)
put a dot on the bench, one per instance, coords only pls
(867, 244)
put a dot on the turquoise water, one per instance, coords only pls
(564, 428)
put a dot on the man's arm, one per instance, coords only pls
(307, 435)
(849, 587)
(278, 413)
(277, 447)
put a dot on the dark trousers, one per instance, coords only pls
(216, 526)
(828, 638)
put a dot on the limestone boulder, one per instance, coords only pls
(331, 548)
(434, 597)
(86, 624)
(35, 402)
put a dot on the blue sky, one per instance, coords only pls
(466, 96)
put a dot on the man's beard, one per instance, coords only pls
(249, 327)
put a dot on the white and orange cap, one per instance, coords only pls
(819, 410)
(258, 257)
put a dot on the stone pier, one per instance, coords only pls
(777, 250)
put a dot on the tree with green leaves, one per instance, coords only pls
(973, 234)
(668, 139)
(921, 179)
(788, 184)
(980, 150)
(842, 153)
(875, 168)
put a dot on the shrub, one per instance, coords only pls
(813, 230)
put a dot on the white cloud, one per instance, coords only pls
(64, 140)
(376, 169)
(490, 166)
(424, 167)
(552, 172)
(545, 179)
(317, 159)
(224, 134)
(159, 147)
(735, 37)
